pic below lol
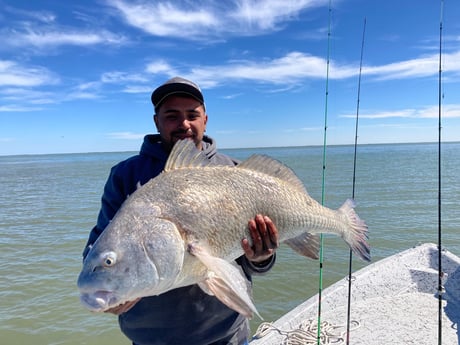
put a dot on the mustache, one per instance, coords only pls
(182, 131)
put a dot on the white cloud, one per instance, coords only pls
(288, 70)
(145, 89)
(165, 18)
(14, 74)
(42, 16)
(121, 77)
(34, 30)
(13, 108)
(74, 95)
(302, 129)
(447, 111)
(159, 67)
(90, 85)
(206, 19)
(267, 14)
(41, 38)
(404, 113)
(419, 67)
(296, 67)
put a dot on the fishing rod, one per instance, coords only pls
(440, 273)
(354, 183)
(320, 288)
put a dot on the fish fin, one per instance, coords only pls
(357, 237)
(226, 282)
(272, 167)
(205, 288)
(186, 155)
(305, 244)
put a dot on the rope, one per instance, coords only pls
(307, 333)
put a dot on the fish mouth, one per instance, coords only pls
(99, 301)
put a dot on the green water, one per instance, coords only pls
(50, 202)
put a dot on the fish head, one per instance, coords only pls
(139, 254)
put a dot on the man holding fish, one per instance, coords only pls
(184, 315)
(178, 235)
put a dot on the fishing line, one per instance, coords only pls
(320, 288)
(354, 183)
(440, 273)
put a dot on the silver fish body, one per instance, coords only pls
(185, 227)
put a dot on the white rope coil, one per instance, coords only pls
(307, 333)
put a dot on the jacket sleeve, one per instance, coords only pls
(113, 197)
(252, 268)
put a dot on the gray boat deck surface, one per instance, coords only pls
(394, 301)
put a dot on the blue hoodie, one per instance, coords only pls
(185, 315)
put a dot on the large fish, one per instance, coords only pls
(185, 227)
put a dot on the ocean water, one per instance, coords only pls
(49, 204)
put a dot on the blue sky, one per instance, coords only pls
(76, 76)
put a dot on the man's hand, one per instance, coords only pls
(264, 239)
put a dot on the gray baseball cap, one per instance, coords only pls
(176, 85)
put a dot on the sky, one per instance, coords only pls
(76, 76)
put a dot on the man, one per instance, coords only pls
(185, 315)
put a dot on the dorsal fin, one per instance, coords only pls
(186, 155)
(272, 167)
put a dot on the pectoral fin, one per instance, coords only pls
(227, 282)
(305, 244)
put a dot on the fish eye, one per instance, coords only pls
(109, 259)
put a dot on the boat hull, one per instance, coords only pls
(394, 301)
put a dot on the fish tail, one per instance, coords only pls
(357, 234)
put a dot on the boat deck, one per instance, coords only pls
(394, 301)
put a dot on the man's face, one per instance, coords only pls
(181, 117)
